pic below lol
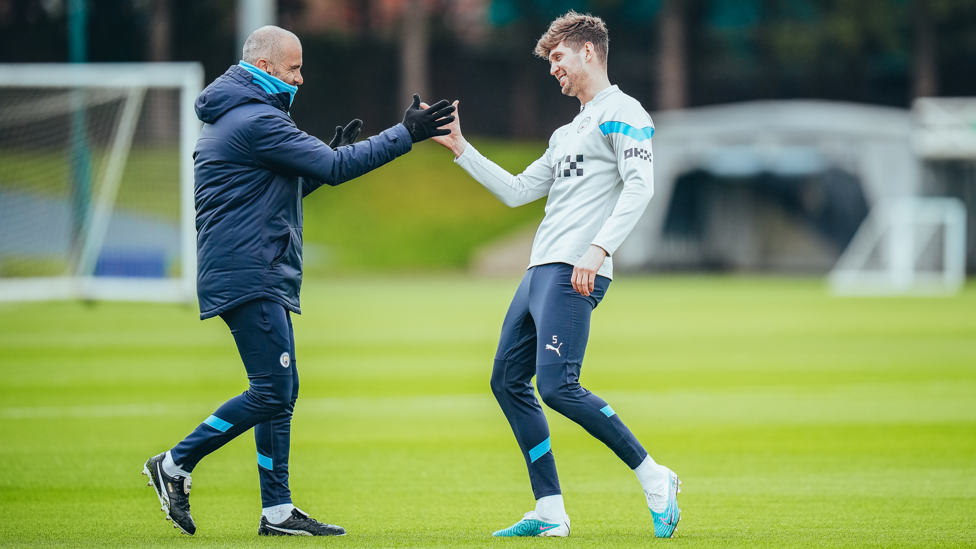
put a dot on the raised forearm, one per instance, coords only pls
(512, 190)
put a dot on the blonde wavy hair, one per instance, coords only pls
(575, 29)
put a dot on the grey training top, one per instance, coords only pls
(597, 173)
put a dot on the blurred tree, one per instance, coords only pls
(672, 57)
(162, 103)
(519, 25)
(925, 75)
(414, 48)
(873, 51)
(954, 30)
(33, 31)
(362, 14)
(116, 31)
(856, 50)
(524, 96)
(160, 32)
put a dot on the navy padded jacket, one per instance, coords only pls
(251, 167)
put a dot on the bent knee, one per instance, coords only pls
(273, 394)
(498, 386)
(499, 378)
(504, 388)
(554, 395)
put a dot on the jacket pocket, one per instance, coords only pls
(282, 244)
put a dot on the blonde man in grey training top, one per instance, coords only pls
(598, 176)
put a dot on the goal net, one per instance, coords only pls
(96, 181)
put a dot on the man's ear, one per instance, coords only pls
(589, 52)
(263, 64)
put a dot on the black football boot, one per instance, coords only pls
(173, 492)
(299, 524)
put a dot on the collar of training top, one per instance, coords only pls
(603, 93)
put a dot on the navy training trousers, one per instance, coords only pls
(544, 335)
(266, 342)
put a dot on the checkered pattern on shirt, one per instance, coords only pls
(568, 166)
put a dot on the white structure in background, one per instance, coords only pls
(892, 252)
(896, 251)
(49, 249)
(945, 128)
(251, 16)
(794, 138)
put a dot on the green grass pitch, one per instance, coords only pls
(794, 419)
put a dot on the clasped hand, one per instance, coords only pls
(424, 123)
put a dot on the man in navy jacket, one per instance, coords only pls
(252, 167)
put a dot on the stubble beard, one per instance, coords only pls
(574, 83)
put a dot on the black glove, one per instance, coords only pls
(426, 123)
(346, 136)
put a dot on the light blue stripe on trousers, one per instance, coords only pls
(218, 424)
(607, 410)
(265, 461)
(540, 450)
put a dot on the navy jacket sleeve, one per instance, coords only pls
(278, 145)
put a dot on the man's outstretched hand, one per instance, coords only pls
(455, 141)
(346, 136)
(426, 123)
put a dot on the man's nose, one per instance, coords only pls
(552, 69)
(298, 79)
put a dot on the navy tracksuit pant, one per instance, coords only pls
(544, 335)
(266, 341)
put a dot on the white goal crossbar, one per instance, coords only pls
(886, 255)
(112, 82)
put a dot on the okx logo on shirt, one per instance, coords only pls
(637, 152)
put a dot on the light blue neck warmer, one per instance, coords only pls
(270, 83)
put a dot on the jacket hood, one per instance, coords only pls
(233, 89)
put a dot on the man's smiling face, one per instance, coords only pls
(289, 69)
(567, 66)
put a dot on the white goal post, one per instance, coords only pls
(96, 181)
(908, 245)
(912, 244)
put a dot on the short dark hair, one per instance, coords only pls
(575, 29)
